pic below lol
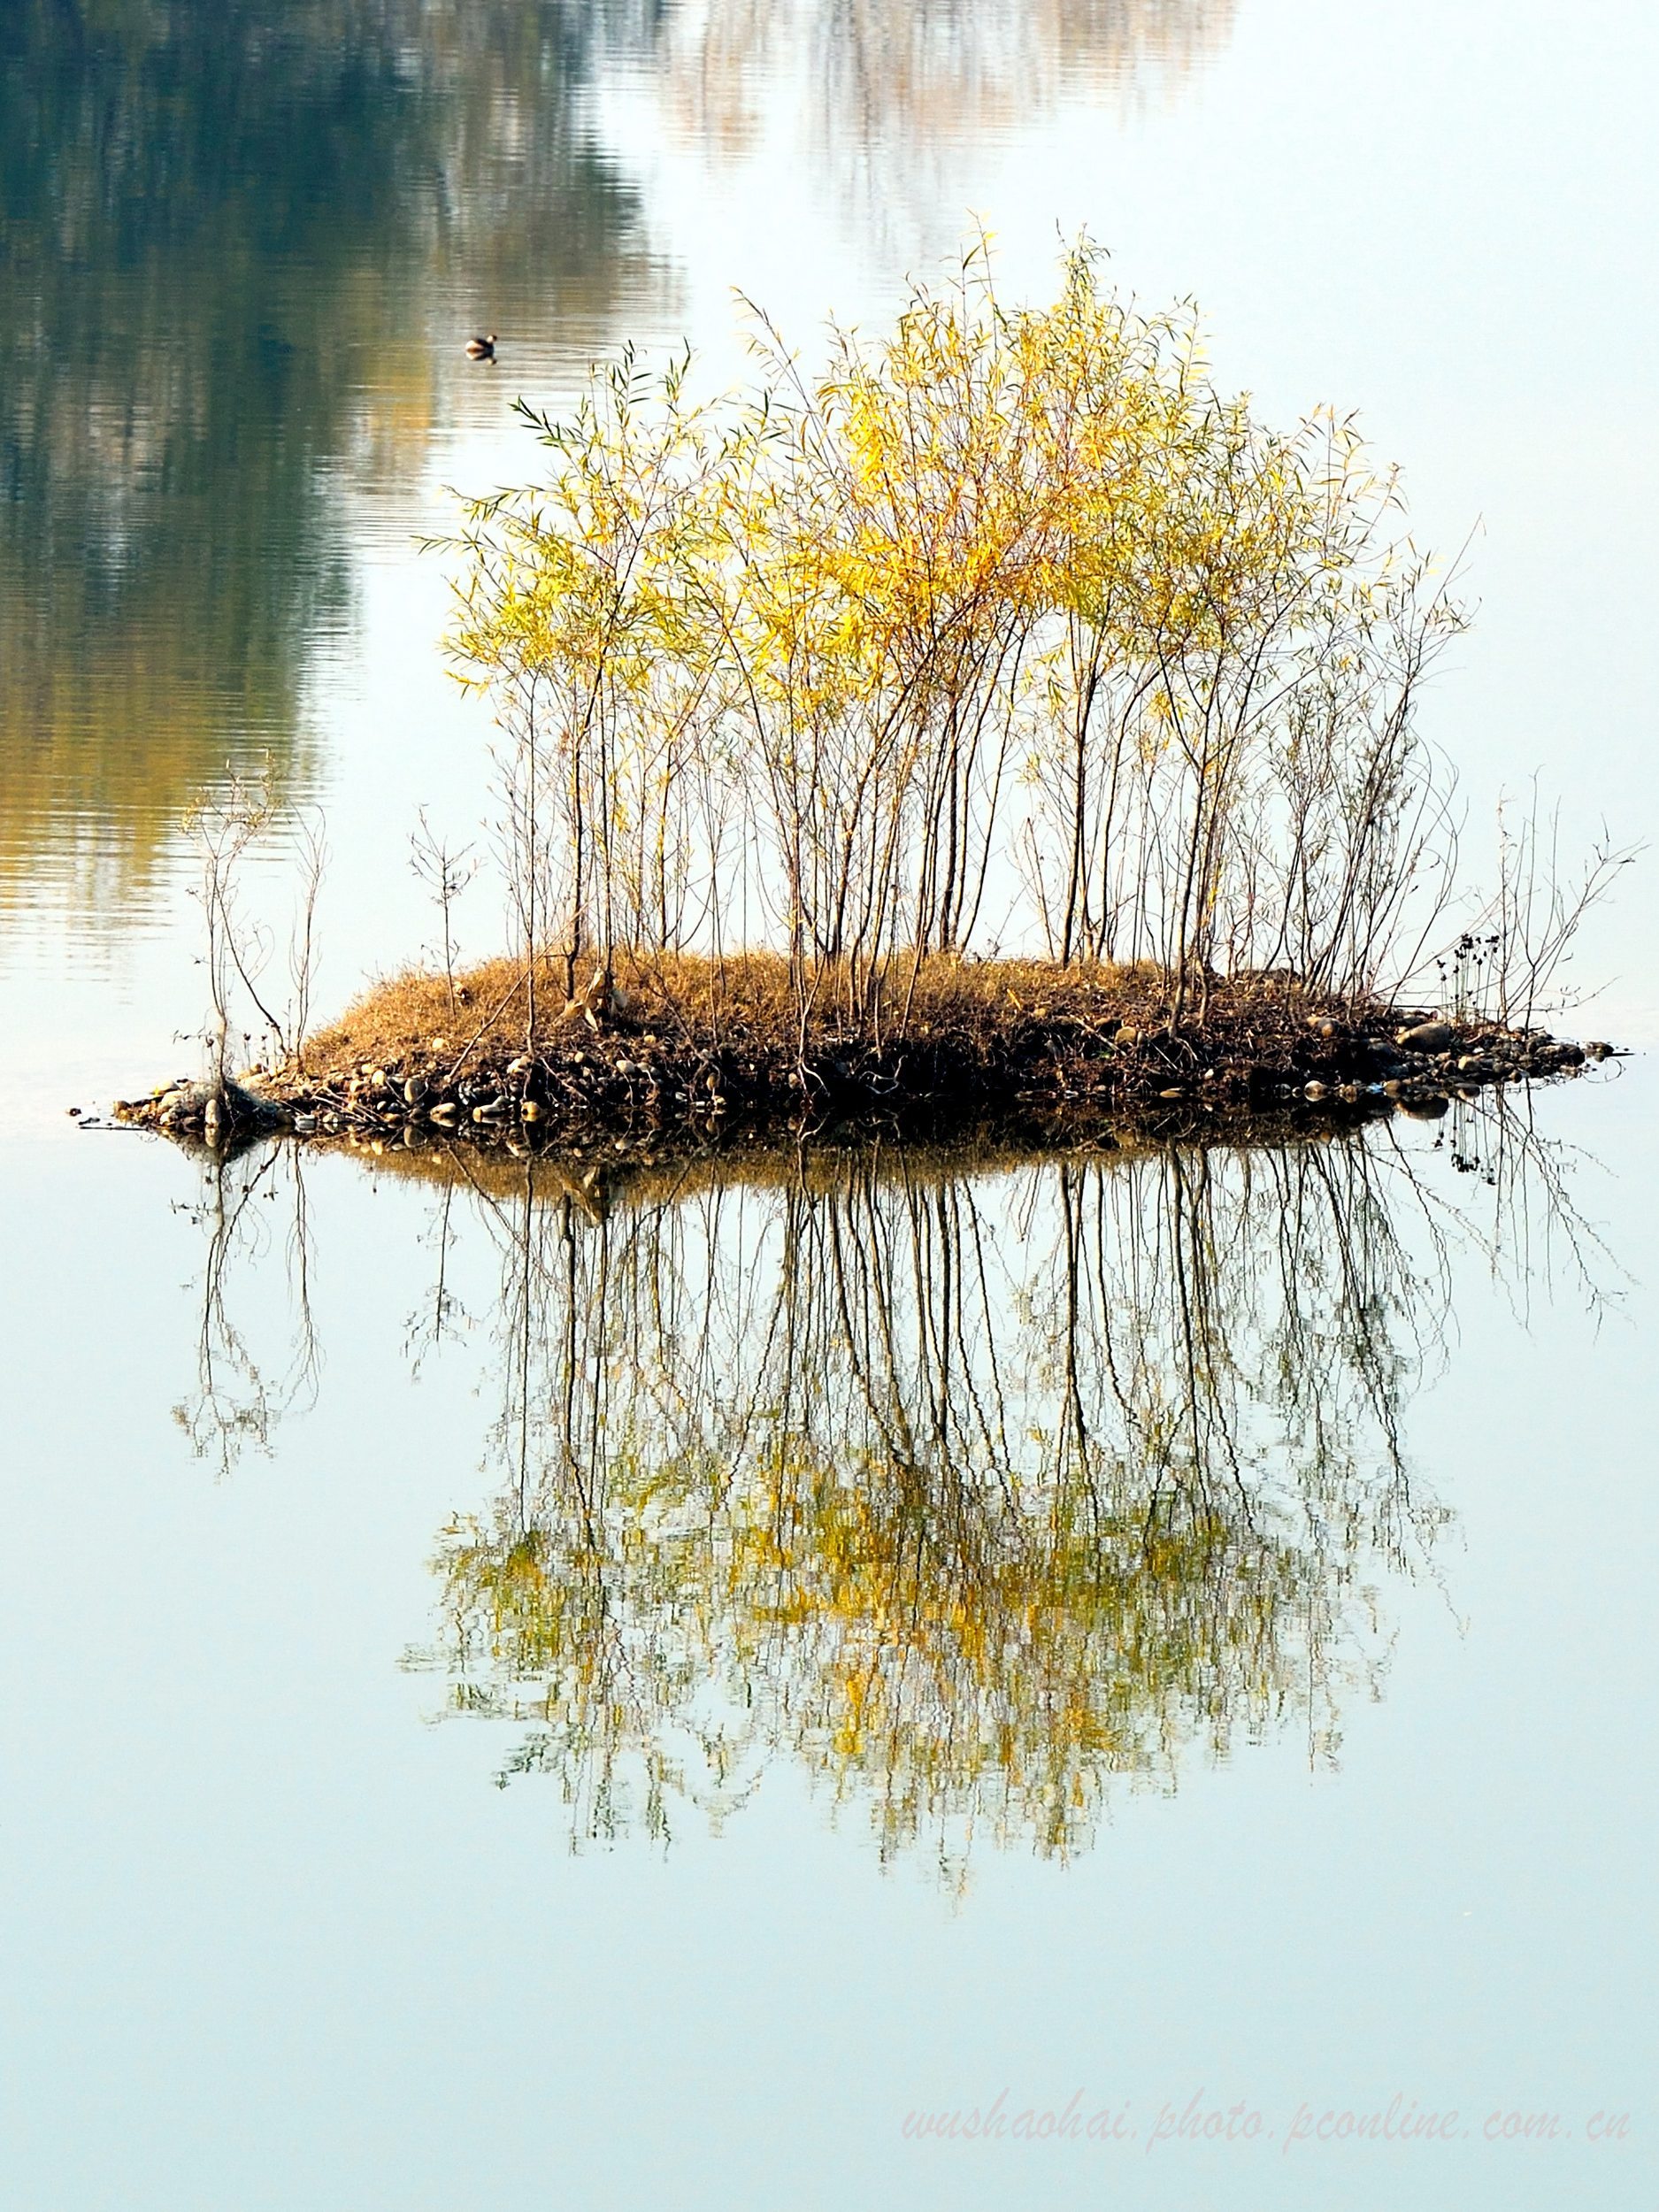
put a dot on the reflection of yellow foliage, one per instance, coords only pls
(99, 754)
(809, 1473)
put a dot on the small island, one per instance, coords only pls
(663, 1063)
(1001, 727)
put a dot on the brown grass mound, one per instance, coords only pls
(745, 1001)
(683, 1055)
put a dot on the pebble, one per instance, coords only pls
(1426, 1037)
(1315, 1091)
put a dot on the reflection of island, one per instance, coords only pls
(236, 246)
(977, 1484)
(973, 1494)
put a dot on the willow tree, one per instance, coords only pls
(1007, 610)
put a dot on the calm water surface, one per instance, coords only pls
(612, 1690)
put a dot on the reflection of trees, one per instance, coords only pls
(971, 1494)
(978, 1493)
(251, 1202)
(891, 86)
(209, 219)
(1539, 1238)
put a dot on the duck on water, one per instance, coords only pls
(481, 349)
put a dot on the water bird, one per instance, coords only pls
(481, 349)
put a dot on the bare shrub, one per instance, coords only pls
(228, 827)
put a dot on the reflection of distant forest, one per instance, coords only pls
(210, 219)
(888, 85)
(237, 245)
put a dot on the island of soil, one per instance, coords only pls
(685, 1054)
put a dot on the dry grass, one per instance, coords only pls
(677, 1056)
(692, 1055)
(747, 999)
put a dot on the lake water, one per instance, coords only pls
(601, 1691)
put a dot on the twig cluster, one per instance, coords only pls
(1007, 627)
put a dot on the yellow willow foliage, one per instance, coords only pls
(1007, 610)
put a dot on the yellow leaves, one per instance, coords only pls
(974, 466)
(821, 624)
